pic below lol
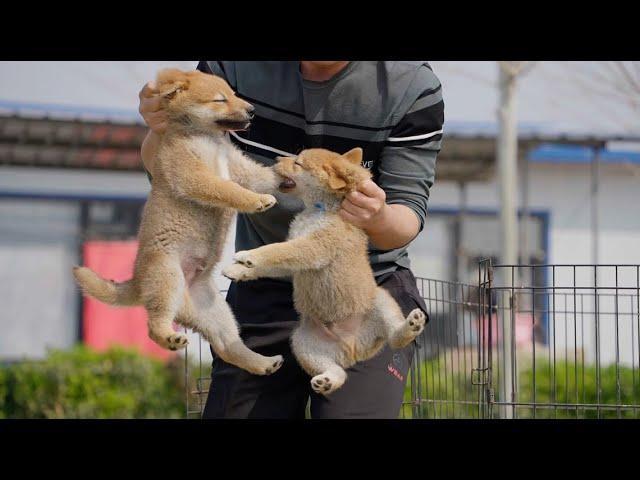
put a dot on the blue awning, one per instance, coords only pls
(574, 154)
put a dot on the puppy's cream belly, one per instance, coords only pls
(346, 344)
(193, 233)
(193, 266)
(319, 295)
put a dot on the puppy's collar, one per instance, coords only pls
(320, 206)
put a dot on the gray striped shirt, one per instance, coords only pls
(393, 110)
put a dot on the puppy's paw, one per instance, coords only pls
(265, 202)
(274, 364)
(325, 383)
(246, 258)
(176, 341)
(412, 326)
(238, 272)
(415, 321)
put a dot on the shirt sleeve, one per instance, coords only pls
(407, 164)
(225, 70)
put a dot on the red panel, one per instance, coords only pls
(104, 325)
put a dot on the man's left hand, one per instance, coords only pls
(365, 207)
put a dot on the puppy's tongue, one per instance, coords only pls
(287, 184)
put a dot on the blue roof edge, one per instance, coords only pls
(576, 154)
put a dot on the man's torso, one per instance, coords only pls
(358, 107)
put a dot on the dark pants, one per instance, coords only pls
(264, 309)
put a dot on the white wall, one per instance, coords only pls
(38, 246)
(565, 191)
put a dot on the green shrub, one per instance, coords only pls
(83, 383)
(449, 394)
(577, 384)
(447, 391)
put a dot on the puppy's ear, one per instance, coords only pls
(354, 156)
(337, 180)
(170, 90)
(172, 81)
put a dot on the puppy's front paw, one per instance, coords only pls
(246, 258)
(237, 272)
(177, 341)
(265, 202)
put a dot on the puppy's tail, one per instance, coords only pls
(119, 294)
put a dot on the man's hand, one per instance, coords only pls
(388, 226)
(151, 109)
(364, 207)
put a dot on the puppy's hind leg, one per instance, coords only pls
(162, 289)
(398, 330)
(318, 358)
(210, 315)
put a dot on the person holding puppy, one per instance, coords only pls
(394, 111)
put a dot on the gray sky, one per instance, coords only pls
(554, 97)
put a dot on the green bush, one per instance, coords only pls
(577, 384)
(83, 383)
(447, 391)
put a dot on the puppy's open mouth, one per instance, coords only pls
(234, 124)
(286, 185)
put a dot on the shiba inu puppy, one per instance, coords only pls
(344, 316)
(199, 180)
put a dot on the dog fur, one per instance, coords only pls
(199, 180)
(344, 316)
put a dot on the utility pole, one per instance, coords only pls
(507, 151)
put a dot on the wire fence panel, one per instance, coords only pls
(574, 342)
(526, 341)
(440, 380)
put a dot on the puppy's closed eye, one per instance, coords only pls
(219, 99)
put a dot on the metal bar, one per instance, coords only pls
(186, 377)
(595, 406)
(464, 341)
(437, 339)
(513, 352)
(489, 365)
(617, 330)
(633, 354)
(533, 339)
(431, 350)
(575, 340)
(597, 333)
(566, 352)
(444, 340)
(638, 317)
(584, 394)
(553, 298)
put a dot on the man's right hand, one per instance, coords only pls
(151, 109)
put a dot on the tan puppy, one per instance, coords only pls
(344, 316)
(200, 178)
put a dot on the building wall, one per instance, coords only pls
(565, 191)
(38, 246)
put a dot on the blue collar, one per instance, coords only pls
(320, 206)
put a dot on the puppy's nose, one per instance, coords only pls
(250, 111)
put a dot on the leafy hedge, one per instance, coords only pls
(83, 383)
(567, 384)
